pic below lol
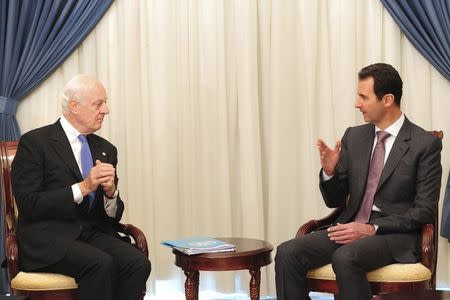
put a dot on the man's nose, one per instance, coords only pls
(105, 109)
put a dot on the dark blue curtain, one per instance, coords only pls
(426, 24)
(36, 36)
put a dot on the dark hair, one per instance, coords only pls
(386, 80)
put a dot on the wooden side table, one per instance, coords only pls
(250, 255)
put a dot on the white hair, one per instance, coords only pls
(74, 89)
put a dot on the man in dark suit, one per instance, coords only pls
(388, 173)
(65, 185)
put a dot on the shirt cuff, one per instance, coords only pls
(324, 176)
(77, 195)
(376, 227)
(110, 206)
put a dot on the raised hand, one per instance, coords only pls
(328, 157)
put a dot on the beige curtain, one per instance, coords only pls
(216, 106)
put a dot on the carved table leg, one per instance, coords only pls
(191, 284)
(197, 283)
(255, 282)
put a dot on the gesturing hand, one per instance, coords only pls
(347, 233)
(328, 157)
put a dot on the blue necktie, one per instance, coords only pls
(86, 163)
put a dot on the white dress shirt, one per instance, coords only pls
(393, 131)
(72, 135)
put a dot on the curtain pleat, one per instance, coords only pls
(427, 25)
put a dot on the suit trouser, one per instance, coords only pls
(104, 267)
(350, 263)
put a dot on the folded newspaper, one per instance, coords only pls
(197, 245)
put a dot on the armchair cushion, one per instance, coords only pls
(390, 273)
(29, 281)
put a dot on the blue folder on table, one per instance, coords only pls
(197, 245)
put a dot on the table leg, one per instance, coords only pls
(191, 284)
(255, 282)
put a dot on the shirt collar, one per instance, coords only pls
(71, 133)
(394, 128)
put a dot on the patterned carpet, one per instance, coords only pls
(209, 296)
(314, 296)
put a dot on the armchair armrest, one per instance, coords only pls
(11, 246)
(12, 255)
(138, 236)
(314, 224)
(428, 247)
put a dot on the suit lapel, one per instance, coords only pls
(62, 147)
(364, 153)
(398, 150)
(96, 149)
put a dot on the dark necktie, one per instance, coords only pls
(86, 163)
(375, 169)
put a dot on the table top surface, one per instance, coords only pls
(415, 295)
(250, 254)
(244, 247)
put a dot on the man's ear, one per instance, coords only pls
(73, 107)
(388, 100)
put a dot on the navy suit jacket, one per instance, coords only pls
(408, 191)
(42, 174)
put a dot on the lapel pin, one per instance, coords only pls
(103, 153)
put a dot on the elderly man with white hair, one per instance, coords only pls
(65, 185)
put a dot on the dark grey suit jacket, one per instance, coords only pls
(42, 172)
(408, 191)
